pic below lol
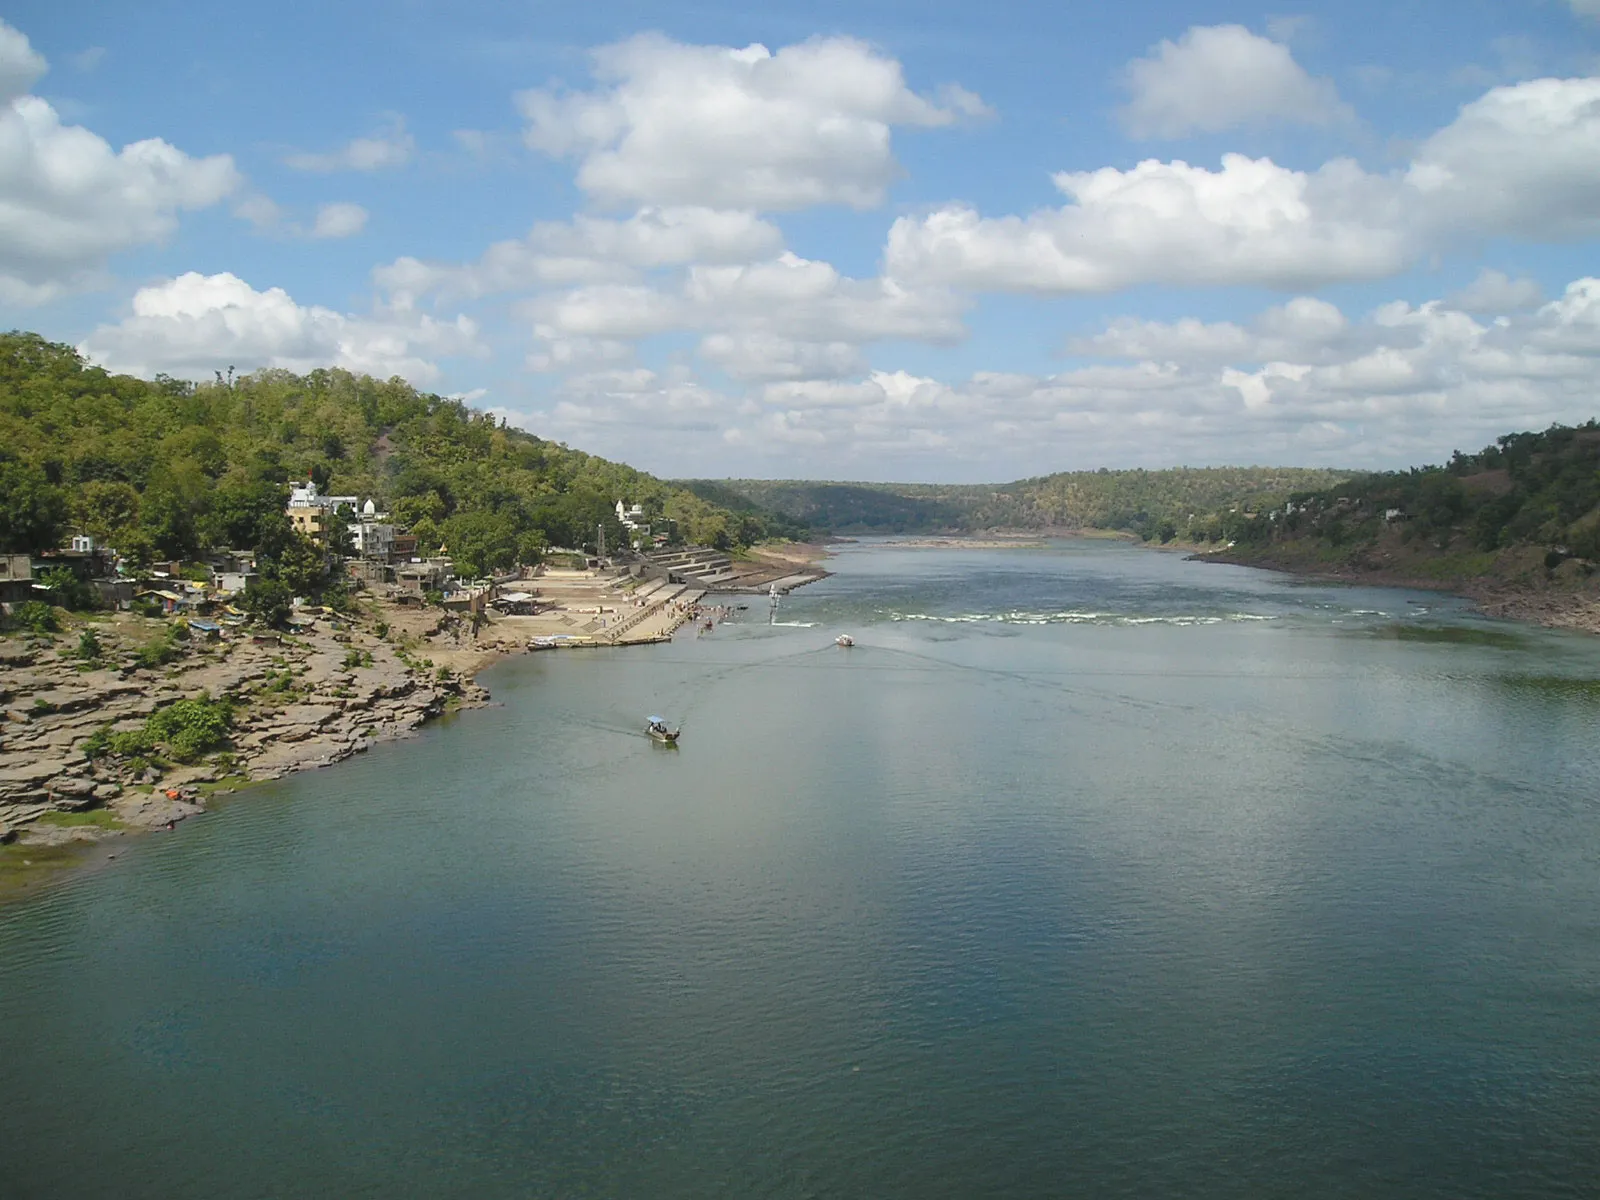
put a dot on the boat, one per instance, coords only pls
(845, 640)
(658, 732)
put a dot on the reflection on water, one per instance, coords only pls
(1162, 902)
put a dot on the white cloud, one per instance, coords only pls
(391, 146)
(1218, 77)
(757, 355)
(339, 221)
(587, 250)
(670, 123)
(68, 201)
(1301, 382)
(1251, 222)
(1517, 162)
(1496, 292)
(21, 66)
(261, 211)
(783, 318)
(1303, 327)
(196, 324)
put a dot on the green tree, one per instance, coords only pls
(70, 592)
(32, 509)
(267, 601)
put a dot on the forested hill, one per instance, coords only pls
(1156, 504)
(1530, 501)
(167, 469)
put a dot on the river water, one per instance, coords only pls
(1088, 871)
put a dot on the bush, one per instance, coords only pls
(89, 647)
(189, 728)
(36, 617)
(268, 601)
(160, 651)
(70, 591)
(98, 743)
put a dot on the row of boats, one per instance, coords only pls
(662, 734)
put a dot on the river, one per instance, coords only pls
(1087, 871)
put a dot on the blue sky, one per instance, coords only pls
(864, 240)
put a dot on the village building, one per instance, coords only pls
(313, 513)
(16, 578)
(371, 539)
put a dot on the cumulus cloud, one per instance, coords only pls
(196, 324)
(1218, 77)
(1251, 222)
(391, 146)
(1496, 292)
(589, 249)
(783, 318)
(1299, 382)
(68, 201)
(670, 123)
(339, 221)
(1517, 162)
(21, 66)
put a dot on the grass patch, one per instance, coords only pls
(100, 818)
(1459, 565)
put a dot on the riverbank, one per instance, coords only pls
(1512, 585)
(336, 687)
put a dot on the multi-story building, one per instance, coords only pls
(313, 513)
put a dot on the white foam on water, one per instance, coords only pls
(1079, 618)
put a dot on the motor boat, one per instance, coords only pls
(658, 732)
(845, 640)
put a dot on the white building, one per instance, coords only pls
(631, 516)
(372, 539)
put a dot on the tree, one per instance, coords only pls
(301, 566)
(267, 601)
(70, 592)
(32, 509)
(482, 543)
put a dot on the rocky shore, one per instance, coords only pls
(1518, 588)
(297, 702)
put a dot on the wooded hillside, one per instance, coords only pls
(1156, 504)
(166, 469)
(1528, 490)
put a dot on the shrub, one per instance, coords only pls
(189, 728)
(89, 647)
(69, 591)
(159, 651)
(36, 617)
(98, 743)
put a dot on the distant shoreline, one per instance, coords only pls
(1552, 607)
